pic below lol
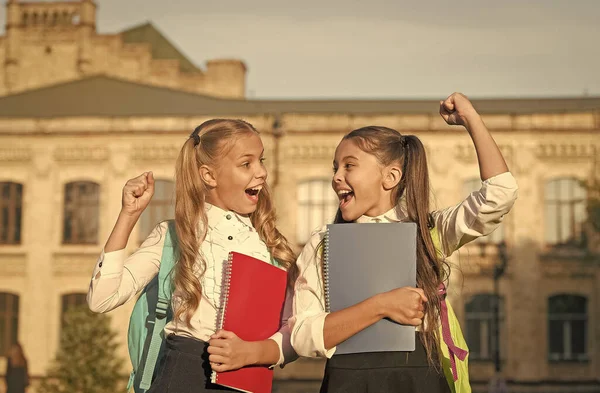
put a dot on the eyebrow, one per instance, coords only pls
(251, 155)
(345, 158)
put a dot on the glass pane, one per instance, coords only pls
(3, 337)
(19, 193)
(555, 336)
(480, 303)
(550, 224)
(578, 337)
(474, 337)
(303, 192)
(14, 329)
(566, 231)
(564, 190)
(567, 304)
(316, 191)
(17, 231)
(4, 230)
(6, 190)
(302, 233)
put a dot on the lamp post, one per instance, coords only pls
(499, 269)
(497, 384)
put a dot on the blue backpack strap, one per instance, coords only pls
(164, 299)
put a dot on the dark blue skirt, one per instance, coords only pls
(402, 372)
(185, 368)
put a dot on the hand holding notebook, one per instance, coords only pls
(253, 295)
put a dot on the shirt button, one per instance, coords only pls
(229, 218)
(230, 237)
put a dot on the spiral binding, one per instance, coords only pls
(326, 271)
(226, 283)
(225, 290)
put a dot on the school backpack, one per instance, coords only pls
(150, 314)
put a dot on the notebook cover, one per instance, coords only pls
(363, 260)
(253, 300)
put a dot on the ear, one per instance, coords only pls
(207, 174)
(391, 177)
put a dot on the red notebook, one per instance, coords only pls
(253, 295)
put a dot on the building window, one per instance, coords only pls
(479, 313)
(72, 300)
(565, 212)
(160, 208)
(11, 202)
(567, 328)
(495, 237)
(9, 321)
(82, 202)
(317, 205)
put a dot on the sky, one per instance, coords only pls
(384, 48)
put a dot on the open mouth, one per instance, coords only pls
(345, 197)
(252, 193)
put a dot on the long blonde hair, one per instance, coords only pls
(209, 142)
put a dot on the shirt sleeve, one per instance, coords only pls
(478, 215)
(309, 313)
(287, 354)
(118, 278)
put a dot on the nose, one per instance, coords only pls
(261, 173)
(337, 177)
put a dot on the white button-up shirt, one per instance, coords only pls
(478, 215)
(118, 278)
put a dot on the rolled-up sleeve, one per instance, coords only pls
(117, 278)
(309, 313)
(287, 354)
(478, 215)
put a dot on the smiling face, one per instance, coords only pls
(363, 185)
(238, 176)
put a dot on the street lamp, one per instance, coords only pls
(497, 384)
(499, 269)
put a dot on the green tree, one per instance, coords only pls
(87, 360)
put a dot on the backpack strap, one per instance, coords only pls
(164, 300)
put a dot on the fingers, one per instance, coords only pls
(416, 322)
(220, 351)
(217, 359)
(220, 368)
(223, 334)
(421, 293)
(138, 185)
(150, 181)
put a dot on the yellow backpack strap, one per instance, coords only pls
(453, 344)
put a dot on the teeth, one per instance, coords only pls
(344, 192)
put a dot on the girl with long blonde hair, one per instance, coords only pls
(222, 204)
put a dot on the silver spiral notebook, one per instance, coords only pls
(362, 260)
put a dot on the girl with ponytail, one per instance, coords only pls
(381, 176)
(222, 204)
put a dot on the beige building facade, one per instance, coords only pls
(64, 158)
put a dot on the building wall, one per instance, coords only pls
(41, 269)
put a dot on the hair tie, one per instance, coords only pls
(196, 136)
(404, 142)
